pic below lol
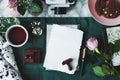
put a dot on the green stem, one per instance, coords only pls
(112, 67)
(106, 60)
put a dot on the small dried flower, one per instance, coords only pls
(13, 3)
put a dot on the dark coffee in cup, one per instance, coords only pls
(16, 36)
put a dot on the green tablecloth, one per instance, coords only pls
(37, 71)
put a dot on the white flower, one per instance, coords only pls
(116, 59)
(113, 34)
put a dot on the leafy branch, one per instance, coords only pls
(32, 6)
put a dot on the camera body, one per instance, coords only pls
(59, 6)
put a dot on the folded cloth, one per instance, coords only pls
(64, 43)
(8, 66)
(7, 72)
(7, 53)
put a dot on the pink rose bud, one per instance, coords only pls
(92, 43)
(13, 3)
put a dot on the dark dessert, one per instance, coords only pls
(108, 8)
(31, 56)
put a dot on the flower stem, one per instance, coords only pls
(112, 67)
(117, 73)
(97, 51)
(106, 61)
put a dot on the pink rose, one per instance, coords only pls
(92, 43)
(13, 3)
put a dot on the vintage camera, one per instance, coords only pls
(59, 6)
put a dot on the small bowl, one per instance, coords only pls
(102, 19)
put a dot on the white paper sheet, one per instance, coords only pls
(63, 43)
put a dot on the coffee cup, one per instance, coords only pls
(16, 36)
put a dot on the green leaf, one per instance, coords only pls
(102, 70)
(21, 9)
(107, 70)
(98, 71)
(34, 8)
(117, 46)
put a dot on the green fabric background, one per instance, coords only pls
(37, 71)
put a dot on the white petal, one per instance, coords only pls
(116, 59)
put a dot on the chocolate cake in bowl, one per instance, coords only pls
(106, 12)
(108, 8)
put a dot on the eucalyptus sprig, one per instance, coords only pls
(7, 22)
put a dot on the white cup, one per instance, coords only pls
(16, 36)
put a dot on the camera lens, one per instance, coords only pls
(60, 10)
